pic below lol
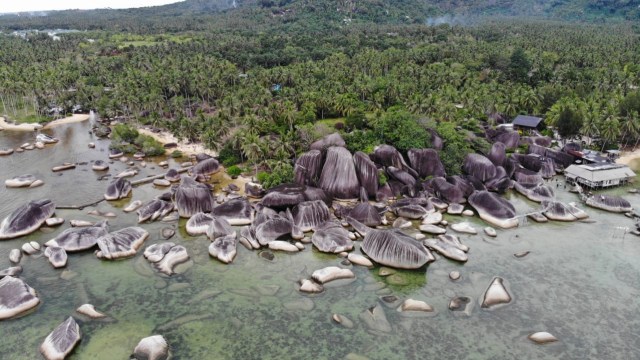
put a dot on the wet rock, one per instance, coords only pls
(267, 255)
(464, 228)
(133, 206)
(192, 197)
(490, 231)
(461, 304)
(90, 311)
(16, 297)
(152, 348)
(538, 217)
(20, 181)
(11, 271)
(79, 238)
(26, 219)
(61, 340)
(175, 256)
(282, 246)
(432, 219)
(454, 275)
(57, 256)
(415, 305)
(55, 221)
(542, 337)
(118, 189)
(359, 260)
(236, 212)
(154, 210)
(15, 255)
(332, 237)
(167, 233)
(311, 287)
(100, 165)
(494, 209)
(121, 243)
(224, 248)
(81, 223)
(331, 273)
(609, 203)
(496, 294)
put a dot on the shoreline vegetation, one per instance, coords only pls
(187, 148)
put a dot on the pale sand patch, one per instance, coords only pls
(68, 120)
(4, 125)
(32, 127)
(627, 157)
(166, 137)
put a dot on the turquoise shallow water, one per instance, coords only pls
(580, 282)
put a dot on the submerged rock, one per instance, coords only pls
(331, 273)
(16, 297)
(311, 287)
(121, 243)
(156, 252)
(448, 246)
(26, 219)
(100, 165)
(152, 348)
(20, 181)
(56, 255)
(61, 340)
(192, 197)
(224, 248)
(375, 319)
(118, 189)
(331, 237)
(133, 206)
(80, 238)
(175, 256)
(359, 260)
(542, 337)
(496, 294)
(90, 311)
(153, 210)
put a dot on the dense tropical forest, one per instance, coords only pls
(259, 82)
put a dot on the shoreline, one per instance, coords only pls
(166, 137)
(4, 125)
(629, 157)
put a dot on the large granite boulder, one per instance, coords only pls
(498, 154)
(205, 168)
(609, 203)
(328, 141)
(426, 163)
(80, 238)
(331, 237)
(122, 243)
(61, 341)
(479, 167)
(494, 209)
(308, 167)
(236, 211)
(309, 215)
(338, 177)
(26, 219)
(119, 188)
(192, 197)
(16, 297)
(367, 173)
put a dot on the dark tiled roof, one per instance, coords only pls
(527, 121)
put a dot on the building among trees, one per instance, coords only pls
(527, 123)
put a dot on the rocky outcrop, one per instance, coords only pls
(338, 176)
(494, 209)
(26, 219)
(192, 197)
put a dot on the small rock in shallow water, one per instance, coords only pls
(342, 320)
(461, 304)
(465, 228)
(80, 223)
(359, 260)
(522, 254)
(454, 275)
(161, 182)
(415, 305)
(542, 337)
(90, 311)
(309, 286)
(490, 231)
(331, 273)
(54, 221)
(61, 340)
(496, 294)
(167, 233)
(375, 319)
(28, 249)
(12, 271)
(152, 348)
(282, 246)
(385, 271)
(303, 304)
(432, 229)
(15, 255)
(467, 212)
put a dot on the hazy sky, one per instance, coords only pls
(33, 5)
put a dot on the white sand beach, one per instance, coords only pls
(32, 126)
(186, 148)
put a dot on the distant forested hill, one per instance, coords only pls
(197, 15)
